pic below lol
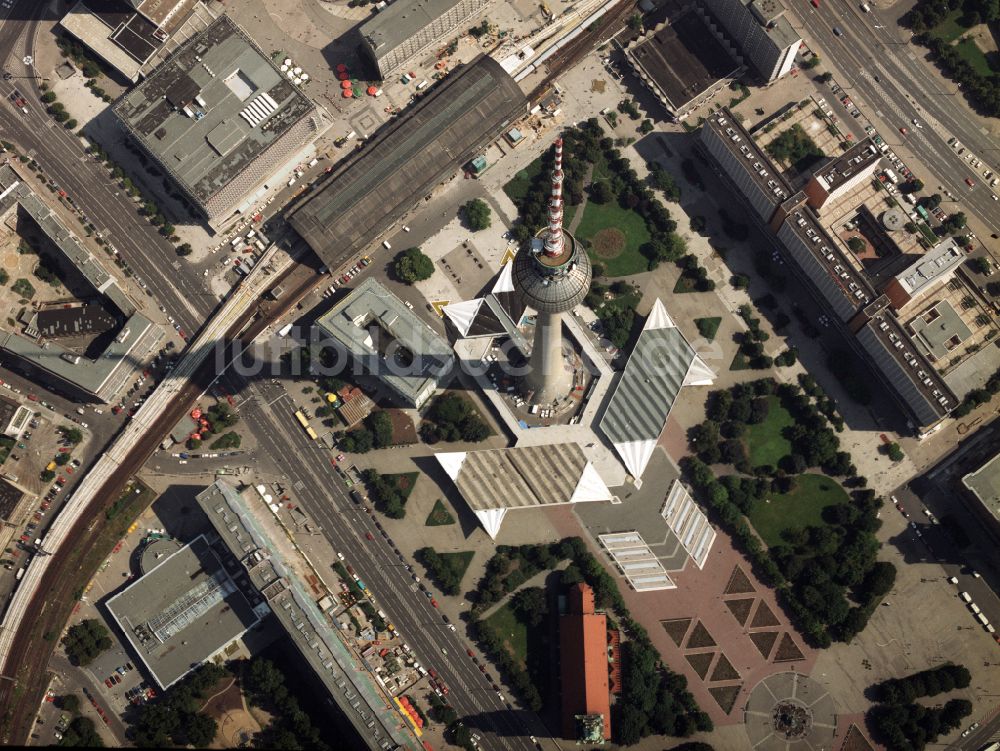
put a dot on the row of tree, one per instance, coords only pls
(290, 727)
(446, 575)
(375, 432)
(930, 682)
(385, 493)
(979, 396)
(982, 90)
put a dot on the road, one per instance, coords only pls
(267, 410)
(871, 47)
(172, 281)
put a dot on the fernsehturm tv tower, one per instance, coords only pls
(553, 277)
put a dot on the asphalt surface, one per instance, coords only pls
(173, 282)
(317, 488)
(872, 46)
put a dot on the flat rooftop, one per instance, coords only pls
(394, 344)
(319, 643)
(93, 376)
(931, 266)
(10, 496)
(754, 161)
(212, 108)
(939, 330)
(182, 612)
(407, 158)
(911, 373)
(803, 223)
(683, 59)
(984, 483)
(840, 169)
(399, 21)
(771, 14)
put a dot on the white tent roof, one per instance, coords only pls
(591, 487)
(505, 280)
(699, 374)
(462, 314)
(491, 520)
(636, 455)
(658, 318)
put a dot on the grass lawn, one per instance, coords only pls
(801, 508)
(513, 633)
(685, 283)
(458, 562)
(6, 444)
(439, 516)
(404, 482)
(739, 362)
(950, 29)
(708, 327)
(975, 57)
(599, 216)
(765, 443)
(517, 188)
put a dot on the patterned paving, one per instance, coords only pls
(790, 711)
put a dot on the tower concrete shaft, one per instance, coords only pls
(549, 379)
(554, 238)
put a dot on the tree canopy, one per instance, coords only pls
(412, 265)
(477, 214)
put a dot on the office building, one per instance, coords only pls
(221, 120)
(682, 63)
(134, 36)
(386, 339)
(764, 36)
(184, 611)
(407, 28)
(57, 343)
(841, 175)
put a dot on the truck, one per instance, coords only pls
(866, 8)
(284, 330)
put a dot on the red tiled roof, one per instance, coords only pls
(583, 639)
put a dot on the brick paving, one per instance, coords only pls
(700, 596)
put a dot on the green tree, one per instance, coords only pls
(81, 733)
(85, 641)
(184, 249)
(380, 425)
(894, 452)
(200, 730)
(48, 97)
(71, 434)
(413, 266)
(980, 265)
(230, 440)
(69, 703)
(477, 214)
(856, 244)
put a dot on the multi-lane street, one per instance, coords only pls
(884, 75)
(60, 153)
(267, 410)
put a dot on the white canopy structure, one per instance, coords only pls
(662, 362)
(494, 481)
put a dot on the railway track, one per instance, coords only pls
(22, 691)
(606, 26)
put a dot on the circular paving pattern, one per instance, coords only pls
(789, 710)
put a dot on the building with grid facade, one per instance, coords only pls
(407, 28)
(759, 28)
(221, 120)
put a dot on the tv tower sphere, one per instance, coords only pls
(552, 277)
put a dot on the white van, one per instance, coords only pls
(422, 85)
(974, 608)
(983, 619)
(313, 162)
(965, 596)
(386, 244)
(866, 8)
